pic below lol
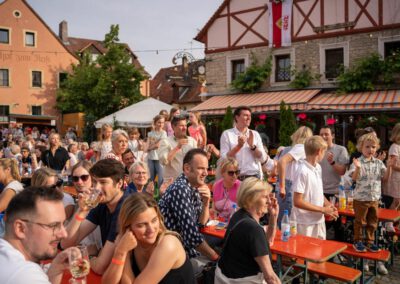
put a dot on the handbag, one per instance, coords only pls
(208, 273)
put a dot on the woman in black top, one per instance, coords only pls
(145, 252)
(246, 257)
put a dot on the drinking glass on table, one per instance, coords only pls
(93, 198)
(79, 264)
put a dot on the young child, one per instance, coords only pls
(367, 172)
(309, 202)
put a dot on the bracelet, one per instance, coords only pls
(253, 148)
(332, 163)
(79, 218)
(263, 163)
(117, 261)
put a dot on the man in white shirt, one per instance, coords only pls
(34, 227)
(245, 145)
(174, 148)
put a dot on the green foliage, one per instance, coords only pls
(303, 78)
(89, 131)
(102, 86)
(287, 124)
(369, 72)
(351, 148)
(254, 76)
(227, 121)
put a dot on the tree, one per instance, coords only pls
(227, 121)
(102, 86)
(288, 124)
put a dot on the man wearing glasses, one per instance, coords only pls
(107, 177)
(34, 227)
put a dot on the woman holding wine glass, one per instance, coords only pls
(145, 251)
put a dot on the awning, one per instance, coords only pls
(387, 99)
(33, 119)
(259, 102)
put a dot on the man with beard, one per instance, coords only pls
(185, 206)
(34, 227)
(107, 177)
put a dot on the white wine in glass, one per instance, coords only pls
(79, 264)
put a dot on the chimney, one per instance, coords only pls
(63, 31)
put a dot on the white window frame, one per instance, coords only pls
(322, 48)
(229, 60)
(9, 77)
(9, 35)
(35, 38)
(31, 78)
(383, 40)
(282, 51)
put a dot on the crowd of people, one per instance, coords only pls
(153, 198)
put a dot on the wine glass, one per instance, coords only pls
(79, 264)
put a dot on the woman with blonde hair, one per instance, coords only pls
(197, 130)
(104, 146)
(245, 257)
(9, 176)
(287, 167)
(49, 177)
(154, 139)
(145, 251)
(225, 189)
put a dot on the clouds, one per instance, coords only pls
(144, 24)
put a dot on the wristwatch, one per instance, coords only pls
(253, 148)
(332, 163)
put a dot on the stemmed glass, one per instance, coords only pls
(79, 264)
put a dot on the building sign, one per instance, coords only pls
(34, 58)
(334, 27)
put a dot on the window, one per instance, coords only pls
(238, 67)
(391, 47)
(282, 68)
(36, 79)
(36, 110)
(334, 60)
(4, 78)
(30, 39)
(4, 36)
(62, 77)
(4, 113)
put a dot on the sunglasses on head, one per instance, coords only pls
(82, 177)
(59, 183)
(231, 173)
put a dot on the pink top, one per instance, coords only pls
(223, 199)
(168, 128)
(195, 134)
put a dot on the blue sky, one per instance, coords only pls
(144, 24)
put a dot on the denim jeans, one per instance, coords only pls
(156, 170)
(287, 203)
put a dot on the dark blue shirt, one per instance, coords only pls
(108, 222)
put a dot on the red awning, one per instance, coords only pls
(259, 102)
(388, 99)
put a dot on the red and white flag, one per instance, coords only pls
(280, 23)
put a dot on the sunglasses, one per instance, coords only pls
(59, 183)
(82, 177)
(231, 173)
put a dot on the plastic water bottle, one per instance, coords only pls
(29, 169)
(285, 226)
(233, 211)
(342, 198)
(293, 224)
(350, 199)
(21, 169)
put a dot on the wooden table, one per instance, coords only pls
(92, 278)
(70, 190)
(306, 248)
(386, 215)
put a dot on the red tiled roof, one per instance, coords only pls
(163, 83)
(259, 102)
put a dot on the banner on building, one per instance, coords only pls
(280, 23)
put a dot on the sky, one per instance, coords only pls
(143, 24)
